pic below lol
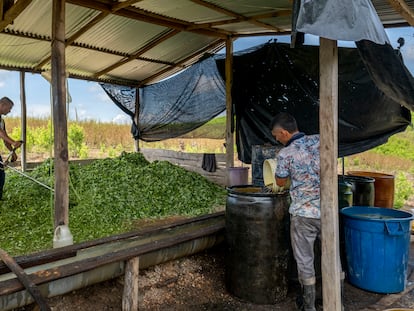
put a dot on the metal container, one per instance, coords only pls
(363, 190)
(384, 187)
(257, 236)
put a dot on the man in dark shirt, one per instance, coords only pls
(6, 106)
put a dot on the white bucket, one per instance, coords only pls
(62, 236)
(269, 168)
(269, 178)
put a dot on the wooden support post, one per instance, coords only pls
(1, 10)
(136, 116)
(130, 295)
(229, 107)
(59, 114)
(328, 123)
(23, 120)
(25, 280)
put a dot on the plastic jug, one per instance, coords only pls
(62, 236)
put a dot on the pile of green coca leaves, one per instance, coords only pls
(105, 197)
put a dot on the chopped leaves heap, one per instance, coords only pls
(104, 198)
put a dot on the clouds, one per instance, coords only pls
(121, 119)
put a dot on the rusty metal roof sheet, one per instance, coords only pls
(138, 42)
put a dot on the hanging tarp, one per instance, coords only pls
(350, 20)
(276, 78)
(375, 89)
(175, 106)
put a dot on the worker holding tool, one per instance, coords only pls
(6, 105)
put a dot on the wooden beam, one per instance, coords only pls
(25, 280)
(136, 116)
(229, 108)
(220, 9)
(23, 119)
(328, 124)
(38, 67)
(403, 9)
(58, 272)
(242, 19)
(149, 17)
(79, 33)
(130, 295)
(216, 44)
(8, 17)
(89, 26)
(147, 47)
(1, 10)
(121, 5)
(61, 156)
(265, 33)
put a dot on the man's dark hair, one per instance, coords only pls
(285, 121)
(5, 100)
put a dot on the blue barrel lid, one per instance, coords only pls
(375, 213)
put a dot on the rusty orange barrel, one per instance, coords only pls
(384, 187)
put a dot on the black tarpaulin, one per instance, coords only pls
(276, 78)
(375, 90)
(175, 106)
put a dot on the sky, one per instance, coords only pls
(90, 102)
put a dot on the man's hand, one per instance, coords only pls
(17, 144)
(13, 157)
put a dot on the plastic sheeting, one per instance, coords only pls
(350, 20)
(175, 106)
(373, 84)
(276, 78)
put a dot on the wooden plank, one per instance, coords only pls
(229, 106)
(70, 251)
(9, 16)
(61, 156)
(23, 120)
(403, 9)
(39, 258)
(228, 12)
(44, 276)
(328, 124)
(24, 279)
(1, 10)
(75, 36)
(149, 17)
(130, 294)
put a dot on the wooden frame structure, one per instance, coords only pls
(221, 33)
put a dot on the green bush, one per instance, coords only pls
(76, 138)
(403, 190)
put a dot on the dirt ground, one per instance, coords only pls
(197, 283)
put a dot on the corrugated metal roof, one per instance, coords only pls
(140, 42)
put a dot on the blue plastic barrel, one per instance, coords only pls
(377, 242)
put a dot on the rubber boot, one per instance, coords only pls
(309, 294)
